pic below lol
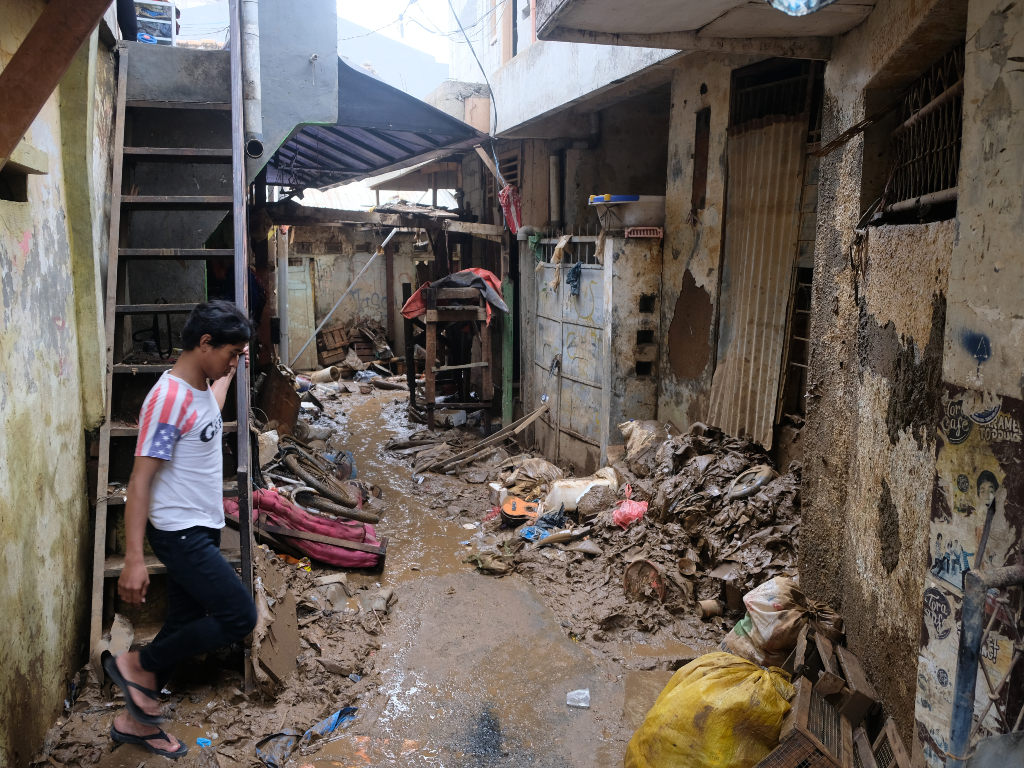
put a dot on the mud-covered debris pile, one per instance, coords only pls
(329, 645)
(719, 521)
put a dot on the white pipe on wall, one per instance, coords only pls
(252, 90)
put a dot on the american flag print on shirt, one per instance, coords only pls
(167, 414)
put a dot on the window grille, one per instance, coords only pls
(926, 141)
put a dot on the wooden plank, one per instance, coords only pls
(460, 367)
(178, 155)
(154, 309)
(176, 202)
(429, 384)
(497, 437)
(38, 64)
(800, 652)
(110, 321)
(493, 232)
(846, 733)
(862, 694)
(458, 293)
(202, 254)
(863, 747)
(456, 315)
(487, 160)
(288, 533)
(899, 752)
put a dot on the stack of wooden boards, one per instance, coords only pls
(834, 713)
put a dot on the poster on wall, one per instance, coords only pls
(977, 522)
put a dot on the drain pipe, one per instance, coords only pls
(251, 88)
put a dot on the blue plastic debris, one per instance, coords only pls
(204, 742)
(533, 533)
(275, 749)
(354, 677)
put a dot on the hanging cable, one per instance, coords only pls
(494, 104)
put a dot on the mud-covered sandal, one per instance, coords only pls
(144, 741)
(110, 666)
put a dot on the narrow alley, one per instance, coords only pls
(476, 383)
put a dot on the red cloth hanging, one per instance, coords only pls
(512, 207)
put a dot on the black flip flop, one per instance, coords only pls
(110, 666)
(130, 738)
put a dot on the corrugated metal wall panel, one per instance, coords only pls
(761, 232)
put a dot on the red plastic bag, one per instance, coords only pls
(628, 511)
(511, 206)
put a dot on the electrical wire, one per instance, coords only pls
(494, 104)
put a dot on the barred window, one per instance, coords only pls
(925, 144)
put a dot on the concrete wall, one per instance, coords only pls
(52, 277)
(874, 391)
(526, 90)
(338, 254)
(693, 244)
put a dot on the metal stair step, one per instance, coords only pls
(114, 564)
(177, 155)
(142, 367)
(168, 254)
(154, 309)
(146, 104)
(127, 430)
(176, 202)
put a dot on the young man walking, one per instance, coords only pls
(175, 499)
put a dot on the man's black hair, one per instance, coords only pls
(222, 320)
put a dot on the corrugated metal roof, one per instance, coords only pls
(379, 129)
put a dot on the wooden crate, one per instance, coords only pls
(814, 734)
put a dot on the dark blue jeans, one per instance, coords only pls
(207, 605)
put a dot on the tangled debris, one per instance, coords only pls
(328, 645)
(719, 520)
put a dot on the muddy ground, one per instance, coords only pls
(467, 670)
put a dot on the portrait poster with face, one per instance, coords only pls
(977, 522)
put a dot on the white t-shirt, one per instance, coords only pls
(182, 425)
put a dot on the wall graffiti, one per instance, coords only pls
(977, 522)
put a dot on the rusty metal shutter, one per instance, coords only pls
(766, 161)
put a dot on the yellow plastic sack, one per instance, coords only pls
(719, 711)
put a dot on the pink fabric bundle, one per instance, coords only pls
(283, 514)
(629, 511)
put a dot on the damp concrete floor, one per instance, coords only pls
(472, 670)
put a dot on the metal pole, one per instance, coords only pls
(976, 585)
(380, 250)
(282, 293)
(241, 265)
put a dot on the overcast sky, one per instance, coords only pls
(420, 16)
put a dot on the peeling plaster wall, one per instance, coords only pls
(334, 271)
(874, 381)
(985, 333)
(692, 260)
(44, 513)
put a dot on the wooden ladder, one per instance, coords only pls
(107, 563)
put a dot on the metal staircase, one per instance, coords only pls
(107, 561)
